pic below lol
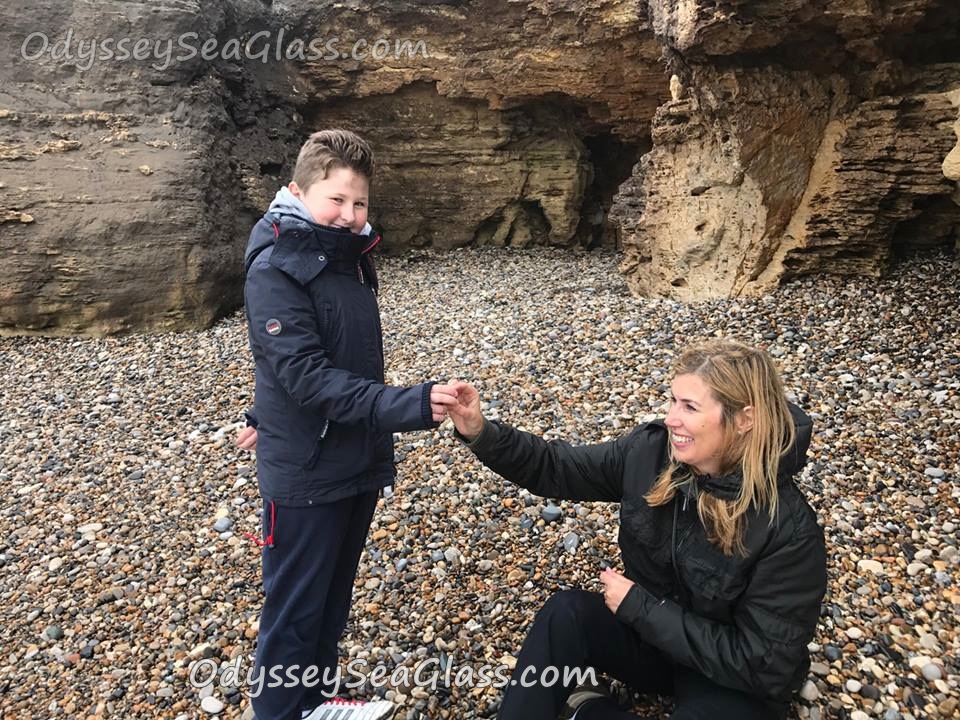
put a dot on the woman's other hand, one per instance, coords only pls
(615, 588)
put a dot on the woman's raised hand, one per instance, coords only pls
(464, 409)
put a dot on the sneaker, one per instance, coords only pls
(352, 710)
(580, 696)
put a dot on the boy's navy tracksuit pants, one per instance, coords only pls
(310, 559)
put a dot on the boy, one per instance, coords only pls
(323, 419)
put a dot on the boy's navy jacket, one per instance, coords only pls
(323, 414)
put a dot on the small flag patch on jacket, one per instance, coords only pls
(273, 326)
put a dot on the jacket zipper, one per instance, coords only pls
(675, 547)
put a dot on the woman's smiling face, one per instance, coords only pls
(698, 433)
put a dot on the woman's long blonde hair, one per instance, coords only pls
(738, 376)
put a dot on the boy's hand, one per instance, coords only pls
(441, 396)
(247, 438)
(615, 588)
(465, 409)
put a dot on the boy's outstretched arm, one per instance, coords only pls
(285, 336)
(440, 396)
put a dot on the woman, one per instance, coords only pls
(725, 565)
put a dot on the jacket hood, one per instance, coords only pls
(286, 203)
(795, 458)
(727, 487)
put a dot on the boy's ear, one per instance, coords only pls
(295, 189)
(744, 419)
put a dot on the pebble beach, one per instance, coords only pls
(123, 560)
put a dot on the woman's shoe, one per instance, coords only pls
(580, 696)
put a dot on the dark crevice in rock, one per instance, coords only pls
(933, 40)
(612, 162)
(937, 224)
(454, 172)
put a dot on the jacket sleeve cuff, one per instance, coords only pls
(636, 606)
(425, 410)
(486, 437)
(251, 419)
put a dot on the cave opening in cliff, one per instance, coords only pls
(936, 225)
(935, 39)
(612, 160)
(455, 172)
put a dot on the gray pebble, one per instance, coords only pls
(222, 524)
(211, 705)
(551, 513)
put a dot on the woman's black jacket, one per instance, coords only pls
(742, 621)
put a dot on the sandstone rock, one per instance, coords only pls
(725, 172)
(112, 247)
(764, 172)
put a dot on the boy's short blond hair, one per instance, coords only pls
(328, 150)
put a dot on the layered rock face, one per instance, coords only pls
(801, 137)
(129, 187)
(951, 164)
(124, 192)
(794, 137)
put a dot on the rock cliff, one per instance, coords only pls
(723, 145)
(801, 137)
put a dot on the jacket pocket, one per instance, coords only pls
(319, 444)
(714, 589)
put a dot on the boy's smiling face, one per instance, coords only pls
(339, 200)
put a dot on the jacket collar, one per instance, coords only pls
(725, 487)
(297, 235)
(303, 249)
